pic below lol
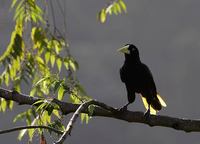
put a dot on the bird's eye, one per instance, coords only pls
(132, 49)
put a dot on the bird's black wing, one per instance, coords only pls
(149, 88)
(147, 82)
(122, 75)
(126, 78)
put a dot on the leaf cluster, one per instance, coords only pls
(35, 56)
(115, 7)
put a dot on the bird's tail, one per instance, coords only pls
(156, 104)
(162, 102)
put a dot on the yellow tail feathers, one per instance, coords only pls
(152, 110)
(146, 105)
(162, 102)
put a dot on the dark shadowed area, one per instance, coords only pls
(167, 33)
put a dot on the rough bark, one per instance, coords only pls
(104, 110)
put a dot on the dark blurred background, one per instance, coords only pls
(167, 33)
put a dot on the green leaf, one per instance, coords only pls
(39, 102)
(102, 16)
(41, 107)
(3, 104)
(40, 60)
(46, 118)
(16, 64)
(57, 85)
(21, 134)
(13, 3)
(84, 117)
(33, 33)
(31, 134)
(41, 81)
(33, 91)
(72, 64)
(13, 72)
(19, 10)
(66, 64)
(61, 92)
(114, 8)
(6, 78)
(28, 118)
(56, 113)
(52, 59)
(30, 131)
(118, 7)
(47, 57)
(10, 105)
(16, 84)
(20, 116)
(50, 109)
(33, 16)
(123, 5)
(91, 110)
(74, 97)
(87, 118)
(57, 46)
(59, 64)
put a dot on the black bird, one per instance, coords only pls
(138, 79)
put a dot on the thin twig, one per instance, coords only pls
(72, 121)
(53, 15)
(30, 127)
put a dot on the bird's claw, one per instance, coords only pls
(122, 109)
(147, 115)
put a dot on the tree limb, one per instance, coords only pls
(103, 110)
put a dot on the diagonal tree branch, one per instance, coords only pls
(72, 121)
(104, 110)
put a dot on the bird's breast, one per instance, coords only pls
(131, 75)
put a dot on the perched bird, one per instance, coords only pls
(138, 79)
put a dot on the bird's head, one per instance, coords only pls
(130, 51)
